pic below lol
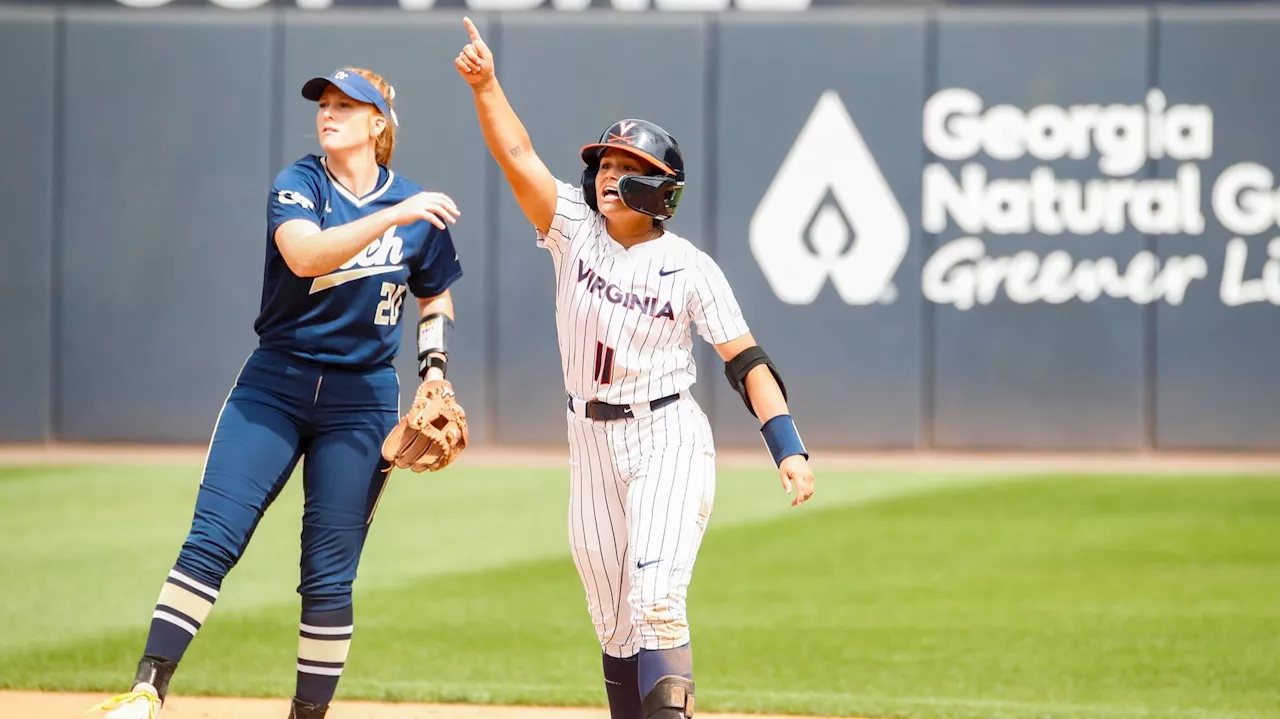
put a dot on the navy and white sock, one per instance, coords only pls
(324, 638)
(181, 610)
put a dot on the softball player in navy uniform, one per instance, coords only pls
(347, 238)
(642, 467)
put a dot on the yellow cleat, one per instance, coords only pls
(141, 703)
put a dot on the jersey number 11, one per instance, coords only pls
(603, 372)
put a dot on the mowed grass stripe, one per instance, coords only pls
(96, 542)
(1065, 597)
(1056, 592)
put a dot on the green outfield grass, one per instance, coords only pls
(904, 595)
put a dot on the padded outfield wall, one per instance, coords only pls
(952, 228)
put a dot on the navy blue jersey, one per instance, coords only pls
(351, 316)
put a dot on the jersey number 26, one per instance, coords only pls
(388, 312)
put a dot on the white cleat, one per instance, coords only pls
(141, 703)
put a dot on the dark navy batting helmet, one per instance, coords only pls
(655, 194)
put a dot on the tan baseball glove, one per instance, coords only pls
(432, 434)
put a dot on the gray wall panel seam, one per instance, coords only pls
(57, 228)
(1149, 311)
(276, 121)
(711, 223)
(928, 311)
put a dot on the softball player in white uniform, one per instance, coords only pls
(642, 456)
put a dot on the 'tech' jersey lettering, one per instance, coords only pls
(351, 316)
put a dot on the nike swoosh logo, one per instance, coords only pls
(334, 279)
(664, 273)
(642, 565)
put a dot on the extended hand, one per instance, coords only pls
(475, 62)
(434, 207)
(796, 474)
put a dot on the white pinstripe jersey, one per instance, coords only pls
(623, 315)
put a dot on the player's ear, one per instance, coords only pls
(377, 123)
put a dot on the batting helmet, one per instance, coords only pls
(655, 194)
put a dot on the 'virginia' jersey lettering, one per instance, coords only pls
(623, 315)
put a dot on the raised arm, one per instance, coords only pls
(508, 141)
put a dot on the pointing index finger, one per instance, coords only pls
(472, 31)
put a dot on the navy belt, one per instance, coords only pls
(603, 411)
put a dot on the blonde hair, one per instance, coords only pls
(385, 144)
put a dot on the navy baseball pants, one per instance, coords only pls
(281, 408)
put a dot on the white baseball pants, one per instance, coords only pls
(641, 493)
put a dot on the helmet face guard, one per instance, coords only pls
(653, 195)
(656, 194)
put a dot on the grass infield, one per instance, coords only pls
(890, 595)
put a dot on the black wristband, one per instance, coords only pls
(433, 360)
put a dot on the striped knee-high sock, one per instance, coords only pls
(323, 641)
(181, 610)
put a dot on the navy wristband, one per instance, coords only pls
(782, 439)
